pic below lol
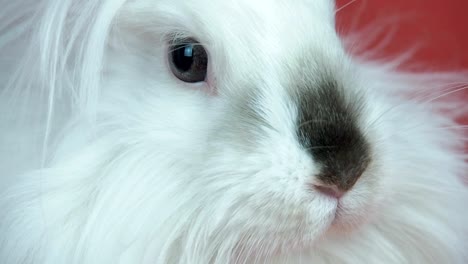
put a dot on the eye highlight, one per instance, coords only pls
(188, 60)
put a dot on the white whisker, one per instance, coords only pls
(448, 93)
(345, 5)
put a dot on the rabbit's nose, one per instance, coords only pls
(329, 127)
(336, 182)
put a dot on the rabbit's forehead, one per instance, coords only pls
(279, 21)
(270, 9)
(213, 20)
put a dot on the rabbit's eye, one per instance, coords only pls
(188, 61)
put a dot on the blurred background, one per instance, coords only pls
(438, 28)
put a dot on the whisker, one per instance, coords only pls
(305, 123)
(447, 87)
(448, 93)
(453, 127)
(380, 116)
(321, 147)
(344, 6)
(417, 125)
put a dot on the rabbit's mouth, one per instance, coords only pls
(339, 219)
(294, 233)
(349, 216)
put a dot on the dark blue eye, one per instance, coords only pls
(188, 60)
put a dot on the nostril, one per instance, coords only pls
(332, 191)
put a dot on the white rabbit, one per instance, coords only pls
(218, 131)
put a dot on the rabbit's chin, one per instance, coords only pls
(336, 218)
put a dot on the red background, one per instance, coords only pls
(441, 26)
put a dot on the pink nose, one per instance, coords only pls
(330, 190)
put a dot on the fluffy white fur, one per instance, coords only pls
(106, 157)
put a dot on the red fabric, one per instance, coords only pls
(441, 26)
